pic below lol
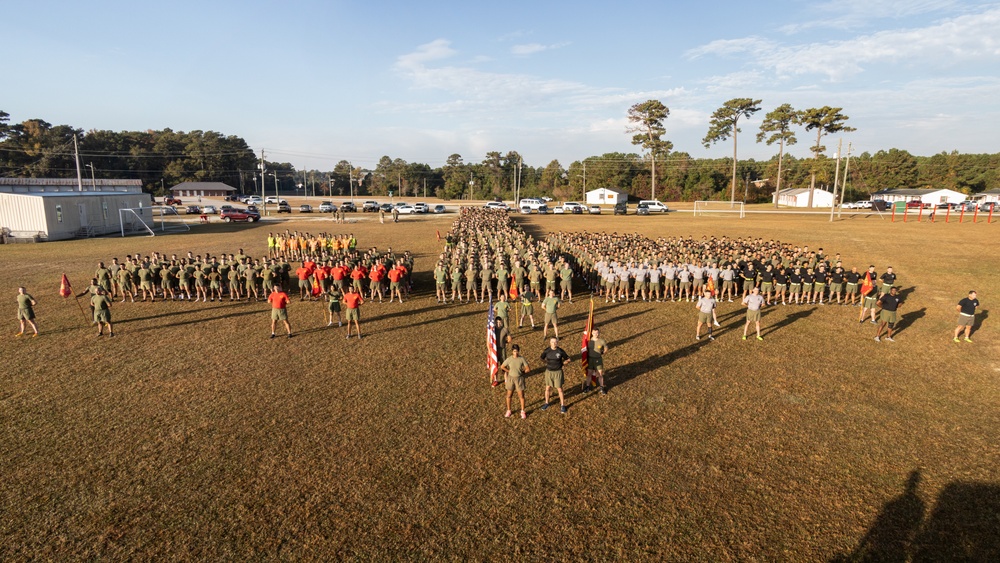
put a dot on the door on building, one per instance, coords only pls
(84, 222)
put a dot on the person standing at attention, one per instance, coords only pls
(555, 358)
(753, 303)
(513, 369)
(279, 309)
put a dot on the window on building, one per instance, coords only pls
(104, 211)
(59, 213)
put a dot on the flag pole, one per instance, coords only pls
(77, 299)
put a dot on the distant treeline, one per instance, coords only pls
(35, 148)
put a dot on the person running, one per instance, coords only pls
(279, 310)
(596, 349)
(706, 314)
(333, 298)
(101, 304)
(513, 369)
(753, 303)
(353, 301)
(966, 315)
(551, 305)
(888, 303)
(26, 311)
(554, 358)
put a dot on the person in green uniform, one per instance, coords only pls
(596, 349)
(215, 284)
(91, 291)
(566, 282)
(501, 308)
(102, 311)
(486, 282)
(26, 311)
(470, 282)
(333, 297)
(551, 304)
(456, 282)
(514, 368)
(503, 339)
(440, 275)
(527, 308)
(125, 284)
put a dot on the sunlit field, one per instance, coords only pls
(192, 435)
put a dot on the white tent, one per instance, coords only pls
(799, 197)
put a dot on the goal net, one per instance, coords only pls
(151, 220)
(705, 207)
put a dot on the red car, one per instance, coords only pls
(234, 214)
(916, 204)
(171, 201)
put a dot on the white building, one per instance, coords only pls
(799, 197)
(202, 189)
(928, 196)
(606, 196)
(988, 195)
(42, 209)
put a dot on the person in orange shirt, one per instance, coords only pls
(375, 278)
(322, 273)
(279, 309)
(359, 273)
(338, 273)
(305, 288)
(353, 301)
(395, 276)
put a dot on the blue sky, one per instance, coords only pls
(317, 82)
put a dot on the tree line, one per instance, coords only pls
(163, 158)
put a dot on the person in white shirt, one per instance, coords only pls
(754, 300)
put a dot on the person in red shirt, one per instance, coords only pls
(395, 276)
(375, 283)
(279, 309)
(320, 274)
(353, 301)
(305, 288)
(338, 273)
(359, 273)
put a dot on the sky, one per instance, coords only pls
(316, 82)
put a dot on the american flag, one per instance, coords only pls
(491, 344)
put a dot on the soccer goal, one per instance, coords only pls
(150, 220)
(704, 207)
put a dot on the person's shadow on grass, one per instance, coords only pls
(908, 319)
(799, 315)
(978, 323)
(891, 537)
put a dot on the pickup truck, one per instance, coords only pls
(169, 200)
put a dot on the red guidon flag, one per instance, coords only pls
(513, 288)
(585, 345)
(65, 289)
(867, 286)
(711, 285)
(316, 289)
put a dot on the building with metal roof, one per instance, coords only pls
(202, 189)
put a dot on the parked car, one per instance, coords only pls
(641, 209)
(225, 208)
(283, 207)
(569, 206)
(370, 206)
(234, 197)
(406, 209)
(558, 210)
(168, 211)
(421, 207)
(253, 200)
(525, 210)
(621, 208)
(595, 209)
(580, 210)
(235, 214)
(271, 199)
(387, 207)
(916, 204)
(947, 205)
(348, 206)
(171, 201)
(852, 205)
(967, 206)
(209, 210)
(496, 205)
(305, 208)
(192, 210)
(543, 210)
(988, 206)
(533, 203)
(253, 208)
(655, 205)
(439, 208)
(326, 207)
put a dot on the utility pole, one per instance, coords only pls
(276, 187)
(93, 181)
(262, 188)
(836, 178)
(843, 188)
(585, 180)
(79, 177)
(425, 187)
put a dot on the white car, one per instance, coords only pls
(532, 203)
(525, 210)
(569, 206)
(421, 207)
(271, 199)
(654, 206)
(254, 200)
(209, 210)
(496, 205)
(595, 209)
(558, 210)
(406, 209)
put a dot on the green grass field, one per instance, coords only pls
(191, 435)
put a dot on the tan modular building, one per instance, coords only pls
(40, 209)
(201, 189)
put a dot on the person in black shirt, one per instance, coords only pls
(767, 282)
(780, 285)
(887, 305)
(807, 285)
(852, 277)
(966, 315)
(555, 358)
(795, 285)
(888, 279)
(837, 283)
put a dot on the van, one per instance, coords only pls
(531, 203)
(654, 205)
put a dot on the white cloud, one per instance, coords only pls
(963, 38)
(851, 14)
(433, 51)
(526, 49)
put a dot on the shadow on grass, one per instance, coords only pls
(200, 320)
(768, 329)
(962, 526)
(191, 309)
(908, 319)
(980, 319)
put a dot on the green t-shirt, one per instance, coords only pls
(517, 366)
(566, 273)
(597, 347)
(24, 301)
(550, 304)
(500, 308)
